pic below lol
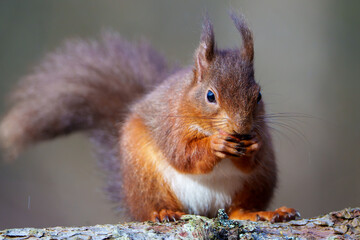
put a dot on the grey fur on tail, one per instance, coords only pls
(84, 85)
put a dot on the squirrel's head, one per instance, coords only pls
(224, 86)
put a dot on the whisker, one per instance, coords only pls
(282, 134)
(292, 130)
(297, 116)
(278, 131)
(286, 114)
(259, 130)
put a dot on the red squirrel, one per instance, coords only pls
(173, 141)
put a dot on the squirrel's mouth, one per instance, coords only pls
(243, 136)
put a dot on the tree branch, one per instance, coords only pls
(343, 224)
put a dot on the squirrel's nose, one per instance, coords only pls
(243, 126)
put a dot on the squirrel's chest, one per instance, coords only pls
(204, 194)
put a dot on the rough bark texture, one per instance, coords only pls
(343, 224)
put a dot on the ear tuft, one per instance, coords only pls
(205, 52)
(247, 50)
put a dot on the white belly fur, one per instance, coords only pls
(204, 194)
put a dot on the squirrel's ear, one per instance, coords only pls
(205, 52)
(247, 50)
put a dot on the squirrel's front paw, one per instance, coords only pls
(228, 146)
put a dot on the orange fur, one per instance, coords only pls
(144, 188)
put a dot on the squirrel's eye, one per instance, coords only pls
(258, 98)
(210, 96)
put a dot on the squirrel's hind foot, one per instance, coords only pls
(282, 214)
(166, 215)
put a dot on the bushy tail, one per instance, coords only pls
(83, 86)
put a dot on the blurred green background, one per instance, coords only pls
(307, 62)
